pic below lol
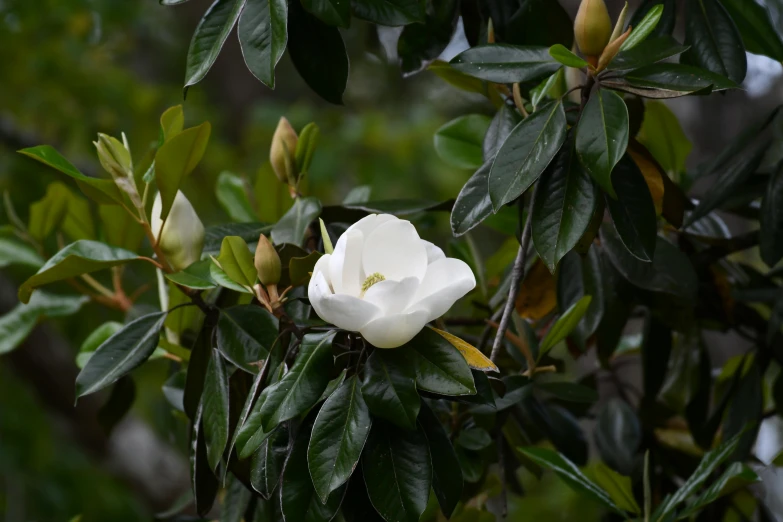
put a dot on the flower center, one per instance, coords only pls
(375, 277)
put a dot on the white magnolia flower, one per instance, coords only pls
(182, 237)
(385, 282)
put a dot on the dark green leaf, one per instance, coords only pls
(730, 177)
(389, 387)
(16, 324)
(440, 368)
(446, 471)
(420, 44)
(633, 212)
(389, 12)
(666, 23)
(564, 325)
(48, 213)
(536, 22)
(298, 498)
(645, 26)
(99, 190)
(120, 353)
(579, 276)
(473, 204)
(646, 53)
(459, 142)
(339, 434)
(236, 261)
(602, 136)
(474, 439)
(566, 57)
(215, 409)
(331, 12)
(526, 153)
(754, 21)
(213, 236)
(504, 121)
(293, 225)
(716, 44)
(670, 80)
(300, 268)
(263, 34)
(560, 427)
(203, 481)
(504, 63)
(235, 502)
(570, 474)
(211, 33)
(267, 464)
(304, 383)
(232, 196)
(398, 472)
(245, 335)
(618, 435)
(318, 53)
(656, 351)
(671, 272)
(14, 252)
(569, 391)
(745, 411)
(618, 487)
(771, 220)
(82, 257)
(736, 476)
(563, 206)
(177, 158)
(195, 276)
(94, 340)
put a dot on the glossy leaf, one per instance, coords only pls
(525, 154)
(736, 476)
(293, 225)
(398, 472)
(14, 252)
(196, 276)
(81, 257)
(602, 136)
(473, 204)
(771, 220)
(563, 206)
(648, 52)
(172, 121)
(339, 433)
(420, 44)
(566, 57)
(716, 44)
(564, 325)
(440, 368)
(664, 137)
(633, 212)
(618, 435)
(318, 53)
(17, 323)
(579, 276)
(208, 39)
(618, 487)
(464, 82)
(202, 480)
(177, 158)
(298, 498)
(643, 29)
(472, 355)
(545, 88)
(459, 142)
(263, 35)
(99, 190)
(304, 383)
(670, 80)
(235, 502)
(389, 387)
(266, 467)
(215, 409)
(446, 471)
(232, 196)
(120, 353)
(504, 121)
(570, 474)
(504, 63)
(755, 24)
(665, 24)
(474, 439)
(389, 12)
(236, 261)
(331, 12)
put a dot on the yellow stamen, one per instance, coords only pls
(373, 278)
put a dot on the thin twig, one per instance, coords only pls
(488, 329)
(517, 274)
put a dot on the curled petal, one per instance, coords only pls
(345, 311)
(345, 268)
(395, 250)
(391, 331)
(369, 223)
(434, 253)
(446, 281)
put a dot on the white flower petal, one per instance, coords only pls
(322, 267)
(446, 281)
(395, 250)
(344, 311)
(434, 253)
(345, 268)
(369, 223)
(392, 296)
(391, 331)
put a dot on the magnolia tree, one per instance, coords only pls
(315, 360)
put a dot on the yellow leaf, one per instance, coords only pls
(472, 355)
(538, 294)
(652, 175)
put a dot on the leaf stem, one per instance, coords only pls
(98, 287)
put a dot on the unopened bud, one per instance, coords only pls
(592, 27)
(182, 238)
(116, 159)
(267, 262)
(282, 154)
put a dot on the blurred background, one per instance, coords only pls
(72, 68)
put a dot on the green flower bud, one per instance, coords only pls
(182, 237)
(592, 27)
(282, 154)
(267, 262)
(116, 159)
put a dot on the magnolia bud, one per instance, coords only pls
(282, 154)
(182, 237)
(267, 262)
(592, 27)
(116, 160)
